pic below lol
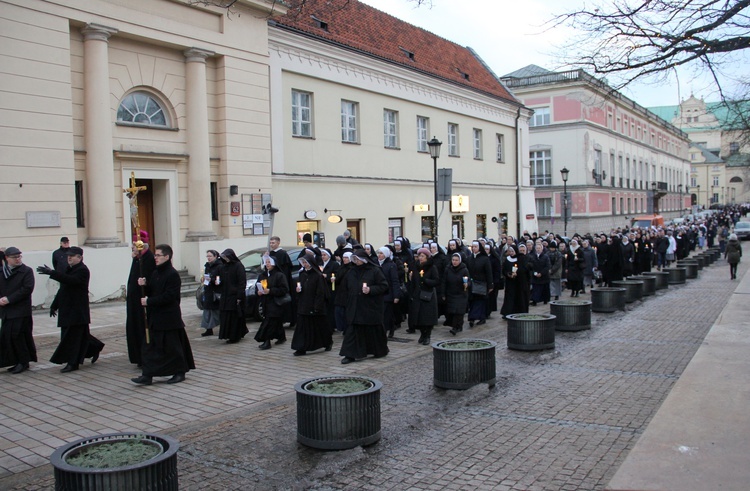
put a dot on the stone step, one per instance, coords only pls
(189, 285)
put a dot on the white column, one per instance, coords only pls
(199, 171)
(100, 174)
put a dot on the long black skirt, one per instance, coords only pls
(477, 308)
(17, 342)
(76, 343)
(168, 353)
(135, 328)
(270, 328)
(233, 326)
(361, 340)
(312, 332)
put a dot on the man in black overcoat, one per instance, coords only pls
(72, 303)
(17, 346)
(284, 264)
(60, 256)
(143, 265)
(168, 351)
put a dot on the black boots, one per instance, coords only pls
(265, 345)
(142, 380)
(209, 332)
(177, 378)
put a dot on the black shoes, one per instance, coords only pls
(471, 323)
(532, 303)
(329, 347)
(410, 330)
(209, 332)
(390, 334)
(299, 352)
(21, 367)
(426, 341)
(455, 330)
(346, 360)
(95, 357)
(69, 368)
(281, 340)
(176, 378)
(143, 380)
(479, 323)
(265, 345)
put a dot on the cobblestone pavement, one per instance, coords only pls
(560, 419)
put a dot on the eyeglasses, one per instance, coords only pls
(160, 255)
(15, 256)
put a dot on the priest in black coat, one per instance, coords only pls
(143, 265)
(17, 346)
(168, 351)
(72, 303)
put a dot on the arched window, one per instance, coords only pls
(736, 179)
(141, 108)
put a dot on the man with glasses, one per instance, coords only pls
(167, 352)
(72, 302)
(17, 346)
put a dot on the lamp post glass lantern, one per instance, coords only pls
(434, 146)
(564, 173)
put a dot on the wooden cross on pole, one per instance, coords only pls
(132, 194)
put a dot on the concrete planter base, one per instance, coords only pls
(571, 315)
(633, 289)
(338, 421)
(158, 473)
(662, 279)
(677, 276)
(649, 284)
(607, 299)
(531, 332)
(463, 368)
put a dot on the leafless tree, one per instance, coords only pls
(630, 40)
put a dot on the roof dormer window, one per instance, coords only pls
(320, 23)
(408, 53)
(463, 74)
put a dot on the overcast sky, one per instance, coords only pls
(509, 34)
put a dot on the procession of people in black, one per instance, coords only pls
(361, 292)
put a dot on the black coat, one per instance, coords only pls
(390, 271)
(576, 263)
(312, 299)
(331, 268)
(341, 274)
(539, 264)
(212, 270)
(278, 288)
(163, 298)
(421, 312)
(456, 296)
(441, 261)
(72, 300)
(360, 308)
(60, 259)
(233, 281)
(480, 268)
(18, 288)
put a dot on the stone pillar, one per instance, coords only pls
(199, 170)
(100, 174)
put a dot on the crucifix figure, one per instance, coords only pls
(132, 194)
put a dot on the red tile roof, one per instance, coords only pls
(357, 26)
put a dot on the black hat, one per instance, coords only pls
(552, 245)
(307, 238)
(12, 251)
(64, 239)
(75, 251)
(360, 254)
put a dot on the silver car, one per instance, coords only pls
(742, 229)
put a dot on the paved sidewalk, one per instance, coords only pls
(558, 419)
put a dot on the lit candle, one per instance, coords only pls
(333, 281)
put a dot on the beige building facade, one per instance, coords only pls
(94, 92)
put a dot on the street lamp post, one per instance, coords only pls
(679, 188)
(434, 145)
(698, 195)
(564, 173)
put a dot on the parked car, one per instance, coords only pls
(742, 229)
(252, 260)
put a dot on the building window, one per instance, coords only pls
(627, 171)
(349, 122)
(423, 128)
(622, 207)
(395, 228)
(612, 169)
(598, 167)
(693, 181)
(453, 139)
(477, 144)
(500, 147)
(544, 207)
(620, 169)
(301, 114)
(481, 226)
(734, 148)
(215, 201)
(715, 180)
(427, 227)
(80, 222)
(541, 117)
(541, 168)
(390, 128)
(141, 108)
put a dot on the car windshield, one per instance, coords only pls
(252, 260)
(642, 223)
(742, 225)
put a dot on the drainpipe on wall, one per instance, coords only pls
(518, 176)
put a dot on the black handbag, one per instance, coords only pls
(478, 287)
(425, 295)
(287, 298)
